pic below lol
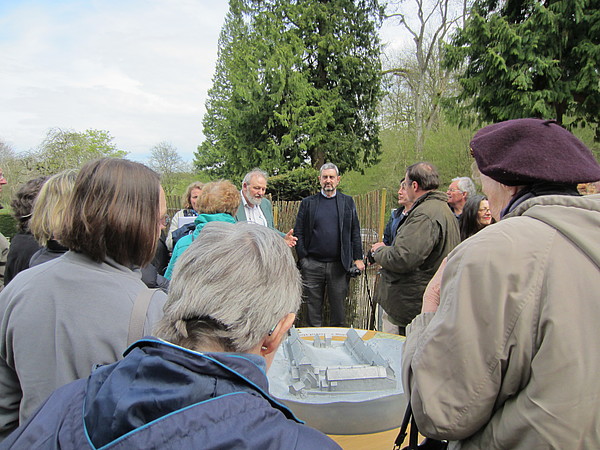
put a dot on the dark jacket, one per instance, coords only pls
(52, 250)
(349, 227)
(391, 228)
(425, 238)
(164, 396)
(22, 247)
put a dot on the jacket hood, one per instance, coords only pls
(576, 218)
(203, 219)
(157, 378)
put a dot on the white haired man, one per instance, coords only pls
(255, 208)
(202, 384)
(458, 192)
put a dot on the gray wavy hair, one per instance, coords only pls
(256, 172)
(230, 288)
(465, 184)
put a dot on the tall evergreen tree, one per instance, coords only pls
(297, 83)
(530, 58)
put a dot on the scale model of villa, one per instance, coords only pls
(370, 373)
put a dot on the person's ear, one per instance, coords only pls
(512, 190)
(272, 341)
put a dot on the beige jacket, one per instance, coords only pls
(511, 358)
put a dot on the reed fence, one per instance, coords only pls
(371, 209)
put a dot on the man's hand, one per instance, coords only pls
(359, 264)
(377, 245)
(290, 239)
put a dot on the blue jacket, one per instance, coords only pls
(186, 241)
(391, 228)
(164, 396)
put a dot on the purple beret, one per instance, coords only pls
(525, 151)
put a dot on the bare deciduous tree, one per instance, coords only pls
(165, 160)
(428, 22)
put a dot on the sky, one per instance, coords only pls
(139, 69)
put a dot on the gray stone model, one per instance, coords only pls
(340, 381)
(371, 372)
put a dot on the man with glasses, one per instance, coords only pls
(459, 190)
(428, 234)
(4, 244)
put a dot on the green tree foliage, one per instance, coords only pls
(529, 58)
(297, 83)
(295, 184)
(9, 164)
(68, 149)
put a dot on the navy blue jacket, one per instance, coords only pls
(391, 228)
(164, 396)
(349, 228)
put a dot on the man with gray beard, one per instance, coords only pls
(255, 208)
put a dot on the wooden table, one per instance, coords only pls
(375, 441)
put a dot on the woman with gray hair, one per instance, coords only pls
(202, 384)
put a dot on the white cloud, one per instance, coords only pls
(137, 68)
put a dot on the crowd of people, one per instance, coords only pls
(115, 330)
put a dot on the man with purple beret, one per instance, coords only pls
(508, 360)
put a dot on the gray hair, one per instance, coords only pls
(230, 288)
(328, 166)
(254, 173)
(465, 184)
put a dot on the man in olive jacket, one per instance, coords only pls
(426, 237)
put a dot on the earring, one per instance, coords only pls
(264, 348)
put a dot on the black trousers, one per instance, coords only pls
(317, 276)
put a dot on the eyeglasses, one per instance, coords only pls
(453, 190)
(164, 220)
(486, 210)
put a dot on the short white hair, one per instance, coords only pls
(256, 172)
(465, 184)
(231, 286)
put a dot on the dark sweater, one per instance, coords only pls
(325, 239)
